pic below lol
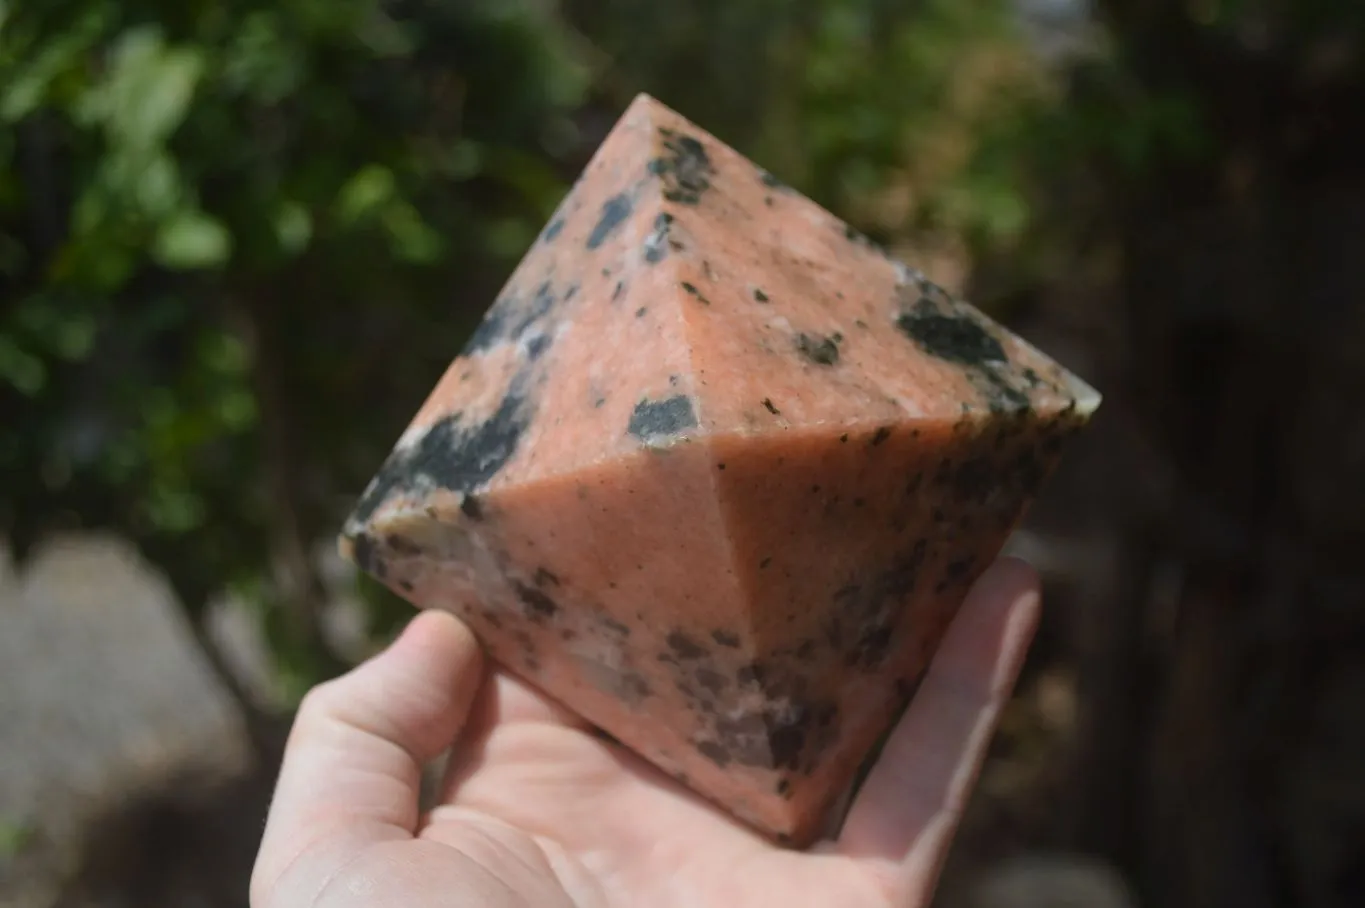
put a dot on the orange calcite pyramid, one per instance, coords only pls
(716, 473)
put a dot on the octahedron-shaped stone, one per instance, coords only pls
(716, 473)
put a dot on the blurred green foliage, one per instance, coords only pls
(235, 241)
(239, 240)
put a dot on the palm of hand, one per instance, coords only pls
(536, 810)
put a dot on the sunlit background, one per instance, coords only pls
(241, 239)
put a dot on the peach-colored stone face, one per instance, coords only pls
(716, 473)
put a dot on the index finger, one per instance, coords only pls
(352, 768)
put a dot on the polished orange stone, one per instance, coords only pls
(715, 472)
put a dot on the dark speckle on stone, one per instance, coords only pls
(822, 351)
(620, 289)
(657, 243)
(634, 688)
(784, 788)
(725, 638)
(539, 607)
(713, 751)
(752, 674)
(365, 554)
(871, 605)
(760, 296)
(787, 739)
(402, 545)
(491, 330)
(692, 289)
(452, 455)
(536, 346)
(553, 230)
(640, 313)
(471, 507)
(769, 180)
(955, 337)
(881, 435)
(546, 577)
(685, 168)
(509, 319)
(615, 211)
(683, 646)
(655, 418)
(747, 739)
(871, 646)
(861, 239)
(616, 627)
(771, 407)
(824, 716)
(1004, 397)
(711, 680)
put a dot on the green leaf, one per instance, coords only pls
(237, 409)
(224, 353)
(157, 185)
(21, 369)
(262, 62)
(366, 191)
(412, 238)
(191, 239)
(464, 160)
(293, 227)
(27, 86)
(148, 90)
(74, 336)
(174, 510)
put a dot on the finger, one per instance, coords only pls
(352, 767)
(903, 819)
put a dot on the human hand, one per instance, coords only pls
(537, 811)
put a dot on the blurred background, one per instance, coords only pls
(240, 240)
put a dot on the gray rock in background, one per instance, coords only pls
(1049, 881)
(102, 689)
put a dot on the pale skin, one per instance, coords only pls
(538, 812)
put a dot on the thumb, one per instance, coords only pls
(352, 767)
